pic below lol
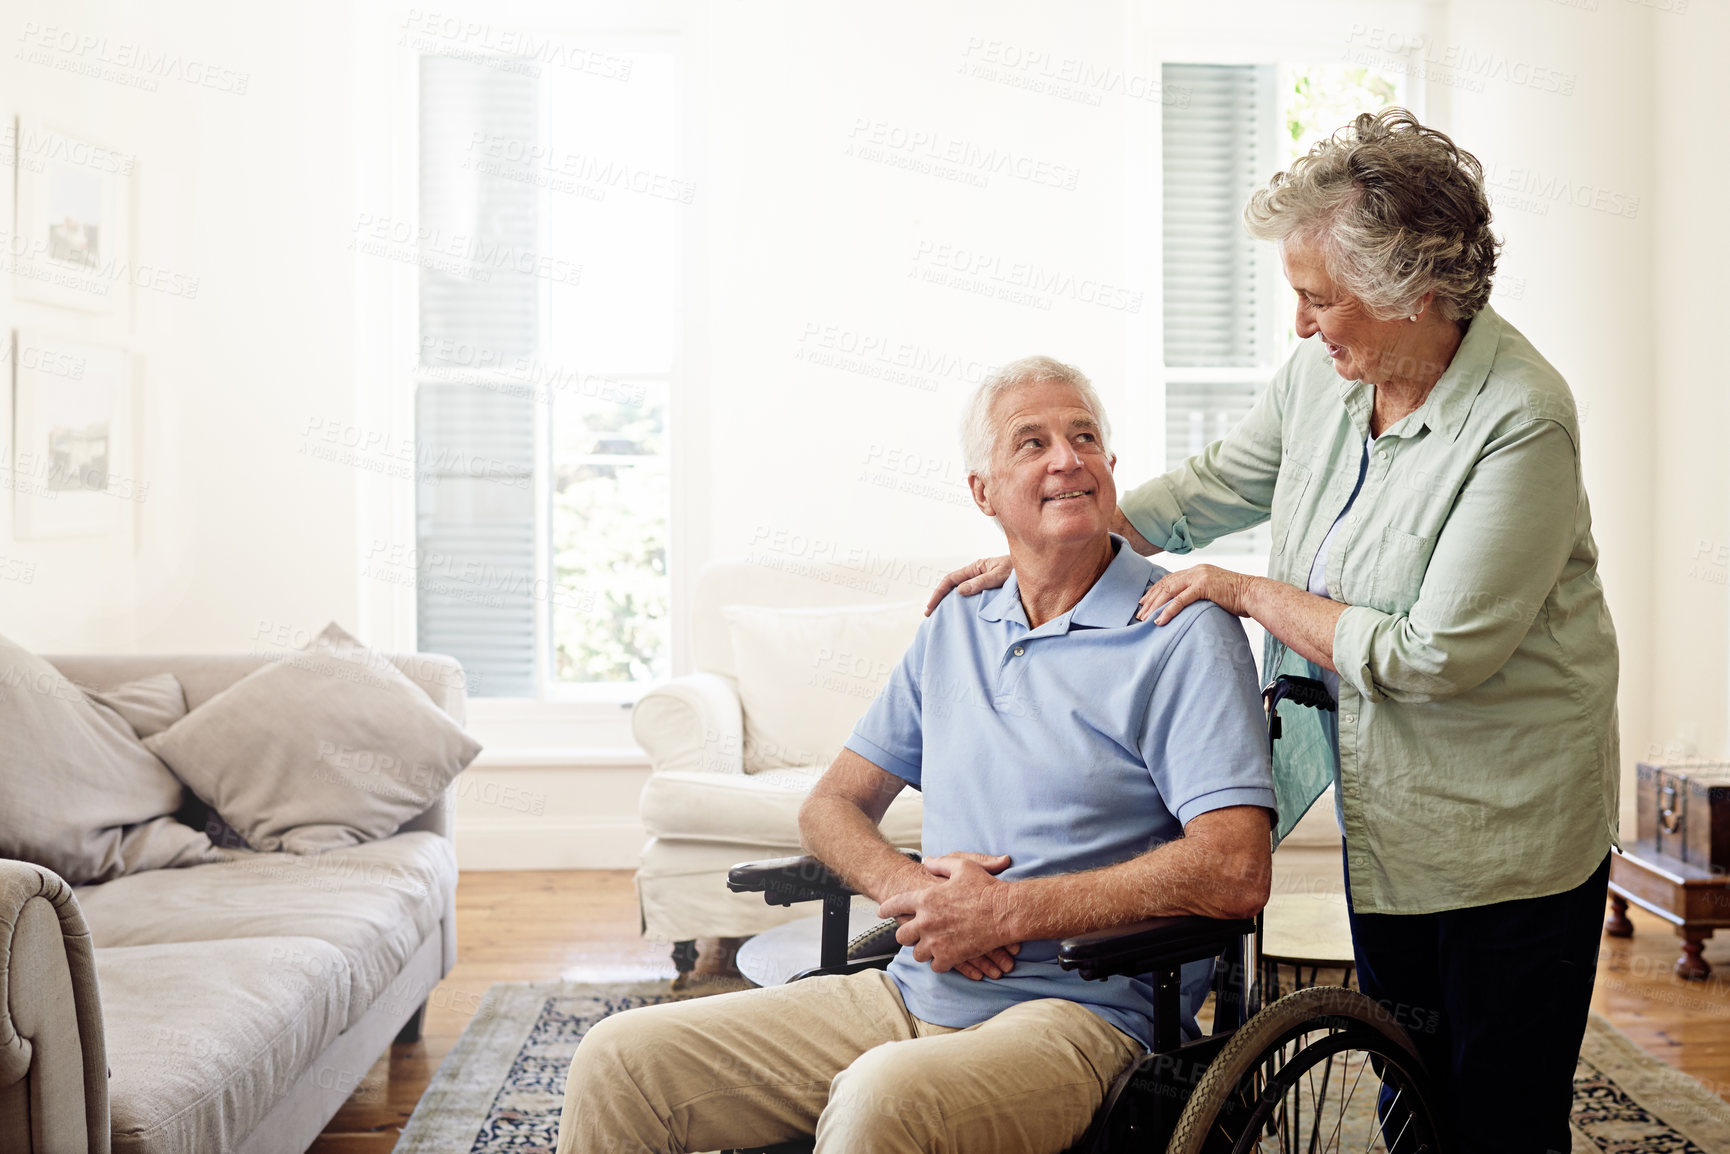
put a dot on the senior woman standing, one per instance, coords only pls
(1432, 561)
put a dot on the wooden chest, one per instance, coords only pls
(1684, 811)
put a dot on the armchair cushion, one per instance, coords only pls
(330, 746)
(751, 810)
(806, 675)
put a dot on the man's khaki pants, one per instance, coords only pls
(842, 1058)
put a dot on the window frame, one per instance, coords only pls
(388, 178)
(552, 692)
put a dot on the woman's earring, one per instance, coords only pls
(1413, 317)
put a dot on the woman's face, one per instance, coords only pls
(1362, 347)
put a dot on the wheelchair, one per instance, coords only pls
(1321, 1069)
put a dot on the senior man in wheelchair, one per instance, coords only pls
(1081, 770)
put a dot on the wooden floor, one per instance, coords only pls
(582, 925)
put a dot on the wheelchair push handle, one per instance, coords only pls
(1305, 691)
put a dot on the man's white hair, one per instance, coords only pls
(979, 437)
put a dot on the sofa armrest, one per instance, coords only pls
(691, 723)
(53, 1064)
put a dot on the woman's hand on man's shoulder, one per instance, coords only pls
(985, 573)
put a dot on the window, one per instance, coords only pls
(1228, 322)
(550, 250)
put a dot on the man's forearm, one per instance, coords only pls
(851, 844)
(1181, 877)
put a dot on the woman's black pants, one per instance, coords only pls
(1496, 999)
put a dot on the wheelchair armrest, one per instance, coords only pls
(785, 880)
(1145, 947)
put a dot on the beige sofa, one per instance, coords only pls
(226, 1007)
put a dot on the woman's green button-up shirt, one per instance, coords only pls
(1477, 755)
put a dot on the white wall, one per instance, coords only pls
(796, 442)
(249, 192)
(1685, 389)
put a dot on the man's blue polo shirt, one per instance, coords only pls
(1074, 746)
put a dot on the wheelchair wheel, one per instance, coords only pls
(1319, 1070)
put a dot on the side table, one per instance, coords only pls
(1692, 898)
(1305, 930)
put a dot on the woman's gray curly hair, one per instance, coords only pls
(1397, 210)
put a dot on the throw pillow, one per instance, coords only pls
(329, 746)
(806, 675)
(149, 705)
(82, 796)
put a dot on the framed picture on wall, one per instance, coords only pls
(70, 246)
(69, 417)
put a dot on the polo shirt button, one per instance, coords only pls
(1019, 651)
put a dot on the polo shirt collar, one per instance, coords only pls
(1450, 402)
(1110, 604)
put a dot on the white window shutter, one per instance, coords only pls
(1214, 144)
(474, 494)
(1216, 147)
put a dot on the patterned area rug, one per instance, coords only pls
(500, 1088)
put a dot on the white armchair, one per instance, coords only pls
(702, 808)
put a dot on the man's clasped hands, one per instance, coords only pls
(955, 912)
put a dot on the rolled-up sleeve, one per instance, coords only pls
(1495, 561)
(1226, 487)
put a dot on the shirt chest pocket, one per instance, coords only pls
(1402, 558)
(1288, 494)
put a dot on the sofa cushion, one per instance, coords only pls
(203, 1038)
(82, 796)
(330, 746)
(375, 903)
(149, 705)
(760, 809)
(806, 675)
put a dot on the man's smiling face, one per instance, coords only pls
(1051, 477)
